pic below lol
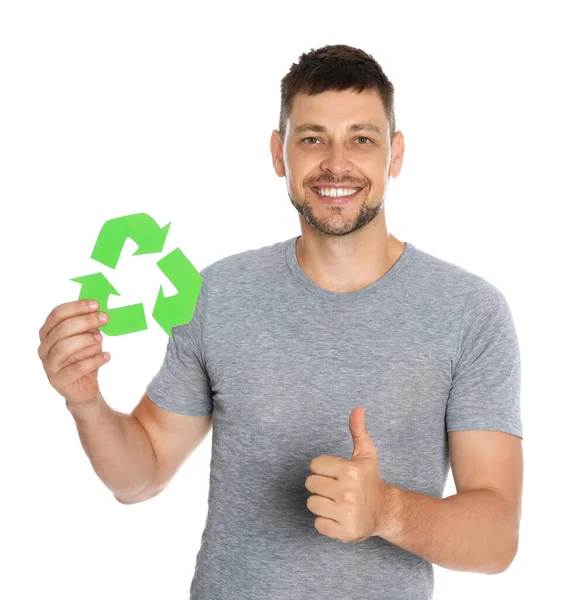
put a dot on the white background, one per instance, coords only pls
(113, 108)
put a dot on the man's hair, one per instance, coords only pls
(335, 67)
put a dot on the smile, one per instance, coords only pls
(336, 195)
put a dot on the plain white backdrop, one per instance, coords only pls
(112, 108)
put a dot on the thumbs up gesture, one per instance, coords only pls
(348, 495)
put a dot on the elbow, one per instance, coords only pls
(509, 562)
(507, 559)
(137, 498)
(124, 500)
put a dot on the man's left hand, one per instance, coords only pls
(348, 495)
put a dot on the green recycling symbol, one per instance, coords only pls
(150, 239)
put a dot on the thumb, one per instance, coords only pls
(362, 441)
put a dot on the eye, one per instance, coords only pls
(359, 138)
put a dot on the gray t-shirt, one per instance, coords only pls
(281, 362)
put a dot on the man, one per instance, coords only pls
(344, 370)
(292, 337)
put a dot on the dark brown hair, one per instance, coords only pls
(335, 67)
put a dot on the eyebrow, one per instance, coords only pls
(315, 127)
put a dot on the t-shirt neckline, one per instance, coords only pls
(382, 282)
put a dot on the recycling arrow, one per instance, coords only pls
(177, 309)
(125, 319)
(150, 238)
(140, 227)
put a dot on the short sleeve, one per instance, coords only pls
(182, 385)
(486, 382)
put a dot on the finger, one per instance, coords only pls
(70, 350)
(323, 507)
(66, 376)
(69, 327)
(323, 486)
(65, 311)
(327, 465)
(87, 352)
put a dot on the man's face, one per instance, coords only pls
(312, 159)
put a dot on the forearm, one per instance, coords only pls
(118, 448)
(469, 531)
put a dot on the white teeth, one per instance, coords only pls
(335, 192)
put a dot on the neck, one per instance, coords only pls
(350, 262)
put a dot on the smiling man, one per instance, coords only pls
(337, 157)
(343, 371)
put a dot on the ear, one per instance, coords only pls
(277, 150)
(397, 154)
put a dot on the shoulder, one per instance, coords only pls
(243, 268)
(452, 281)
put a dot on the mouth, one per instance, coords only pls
(336, 200)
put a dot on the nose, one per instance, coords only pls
(335, 160)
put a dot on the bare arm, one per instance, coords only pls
(476, 529)
(464, 532)
(137, 455)
(118, 448)
(134, 455)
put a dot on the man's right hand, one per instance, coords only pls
(70, 352)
